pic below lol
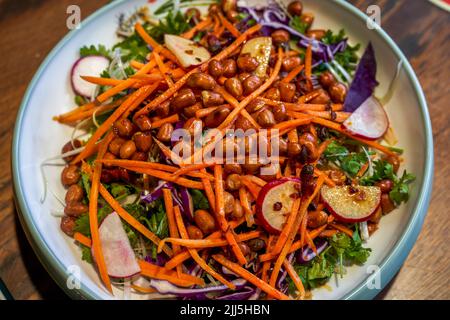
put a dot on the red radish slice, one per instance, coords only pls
(349, 205)
(274, 203)
(119, 256)
(369, 121)
(187, 52)
(87, 66)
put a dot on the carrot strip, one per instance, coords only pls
(155, 272)
(162, 68)
(270, 290)
(245, 203)
(303, 230)
(295, 278)
(183, 256)
(229, 26)
(342, 228)
(74, 117)
(209, 243)
(258, 181)
(199, 26)
(192, 167)
(173, 231)
(308, 61)
(340, 116)
(363, 170)
(153, 165)
(209, 192)
(294, 72)
(220, 206)
(155, 45)
(253, 188)
(136, 64)
(327, 180)
(143, 289)
(337, 127)
(205, 112)
(93, 215)
(289, 124)
(287, 228)
(170, 119)
(328, 233)
(131, 220)
(85, 107)
(81, 238)
(132, 102)
(193, 252)
(302, 212)
(237, 251)
(168, 152)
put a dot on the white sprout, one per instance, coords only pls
(364, 230)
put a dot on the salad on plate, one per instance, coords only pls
(227, 150)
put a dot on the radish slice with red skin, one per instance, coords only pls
(344, 205)
(91, 66)
(119, 257)
(369, 121)
(281, 192)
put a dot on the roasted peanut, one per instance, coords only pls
(114, 146)
(251, 84)
(322, 98)
(205, 221)
(256, 244)
(214, 44)
(287, 91)
(247, 63)
(139, 156)
(244, 248)
(307, 18)
(201, 80)
(211, 98)
(68, 225)
(233, 182)
(273, 94)
(124, 127)
(244, 75)
(194, 232)
(293, 148)
(228, 201)
(238, 211)
(75, 193)
(317, 34)
(75, 209)
(280, 36)
(127, 149)
(165, 132)
(234, 87)
(215, 68)
(69, 146)
(338, 92)
(70, 175)
(376, 217)
(317, 219)
(338, 177)
(163, 110)
(229, 68)
(233, 16)
(143, 123)
(214, 119)
(228, 5)
(255, 105)
(183, 99)
(193, 13)
(385, 185)
(242, 123)
(143, 141)
(231, 168)
(279, 112)
(386, 203)
(327, 79)
(295, 8)
(189, 112)
(394, 161)
(266, 118)
(291, 63)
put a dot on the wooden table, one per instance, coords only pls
(30, 29)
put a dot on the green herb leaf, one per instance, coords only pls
(174, 23)
(400, 191)
(199, 199)
(299, 25)
(92, 50)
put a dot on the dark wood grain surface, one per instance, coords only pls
(29, 29)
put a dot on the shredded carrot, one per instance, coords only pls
(289, 124)
(173, 231)
(309, 96)
(201, 113)
(302, 212)
(209, 192)
(252, 187)
(256, 180)
(192, 167)
(230, 27)
(194, 254)
(168, 152)
(245, 203)
(363, 169)
(264, 286)
(93, 215)
(327, 180)
(220, 206)
(143, 289)
(342, 228)
(170, 119)
(131, 220)
(208, 243)
(155, 45)
(339, 116)
(294, 72)
(156, 272)
(287, 228)
(162, 68)
(131, 103)
(308, 61)
(199, 26)
(81, 238)
(337, 127)
(328, 233)
(295, 278)
(183, 256)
